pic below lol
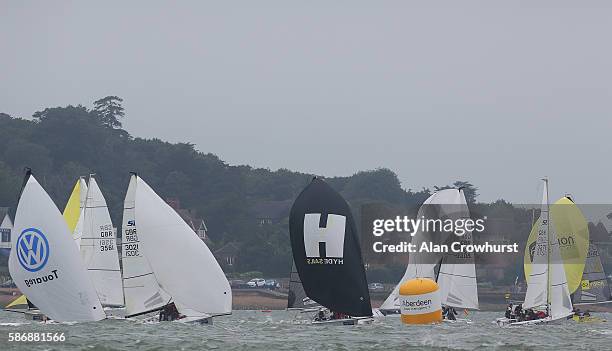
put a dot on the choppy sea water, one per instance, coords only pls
(281, 330)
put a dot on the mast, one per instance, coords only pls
(547, 249)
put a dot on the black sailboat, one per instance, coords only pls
(326, 252)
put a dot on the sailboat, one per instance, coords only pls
(571, 228)
(73, 214)
(455, 273)
(98, 246)
(327, 256)
(44, 262)
(547, 287)
(166, 266)
(594, 288)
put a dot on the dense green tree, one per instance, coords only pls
(110, 110)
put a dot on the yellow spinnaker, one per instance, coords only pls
(72, 210)
(573, 235)
(20, 301)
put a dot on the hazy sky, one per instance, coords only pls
(497, 93)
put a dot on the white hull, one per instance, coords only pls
(378, 313)
(203, 320)
(346, 321)
(505, 322)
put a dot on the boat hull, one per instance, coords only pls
(505, 322)
(346, 321)
(588, 319)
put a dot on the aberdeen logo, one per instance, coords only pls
(324, 244)
(32, 249)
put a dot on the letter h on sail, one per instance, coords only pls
(331, 236)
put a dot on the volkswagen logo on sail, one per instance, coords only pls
(32, 249)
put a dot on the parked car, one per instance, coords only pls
(256, 283)
(376, 287)
(272, 284)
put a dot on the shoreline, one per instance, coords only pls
(263, 299)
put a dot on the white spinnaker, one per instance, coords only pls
(560, 301)
(141, 289)
(537, 284)
(183, 264)
(457, 274)
(70, 295)
(99, 248)
(422, 265)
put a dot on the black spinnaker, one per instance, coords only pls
(326, 251)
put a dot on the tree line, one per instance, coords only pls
(62, 143)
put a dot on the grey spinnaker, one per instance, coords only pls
(594, 287)
(296, 298)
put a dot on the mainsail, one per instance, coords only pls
(44, 262)
(547, 282)
(457, 273)
(180, 264)
(99, 247)
(296, 298)
(594, 287)
(326, 251)
(140, 287)
(572, 236)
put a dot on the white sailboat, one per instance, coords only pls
(547, 284)
(44, 262)
(174, 265)
(98, 246)
(456, 273)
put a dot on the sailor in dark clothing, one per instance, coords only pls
(320, 316)
(169, 313)
(509, 311)
(451, 314)
(518, 312)
(530, 314)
